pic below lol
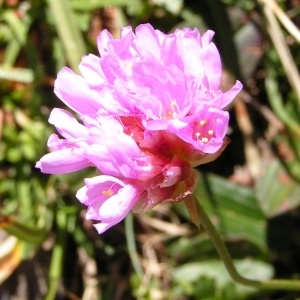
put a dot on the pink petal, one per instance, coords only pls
(207, 37)
(62, 161)
(66, 124)
(91, 70)
(102, 227)
(116, 208)
(212, 65)
(110, 210)
(206, 137)
(229, 95)
(146, 41)
(74, 91)
(91, 193)
(103, 41)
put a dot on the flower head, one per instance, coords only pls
(150, 109)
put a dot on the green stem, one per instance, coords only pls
(225, 256)
(132, 246)
(56, 265)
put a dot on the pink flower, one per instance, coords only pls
(109, 200)
(205, 130)
(150, 109)
(157, 78)
(98, 142)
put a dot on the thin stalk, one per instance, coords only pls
(283, 18)
(283, 51)
(132, 246)
(291, 285)
(57, 257)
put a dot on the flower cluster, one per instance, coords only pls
(150, 109)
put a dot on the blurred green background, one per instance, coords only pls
(252, 192)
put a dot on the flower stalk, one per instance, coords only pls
(130, 238)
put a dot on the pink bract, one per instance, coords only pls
(150, 108)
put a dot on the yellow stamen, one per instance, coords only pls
(204, 140)
(203, 122)
(108, 193)
(197, 134)
(210, 132)
(171, 114)
(173, 104)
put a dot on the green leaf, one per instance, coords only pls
(19, 28)
(68, 31)
(24, 232)
(186, 249)
(277, 102)
(276, 191)
(233, 208)
(197, 273)
(16, 74)
(93, 4)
